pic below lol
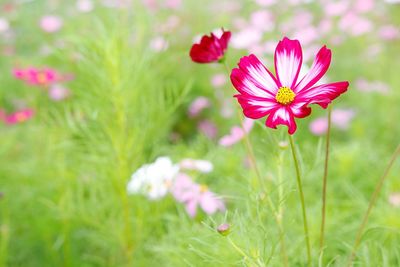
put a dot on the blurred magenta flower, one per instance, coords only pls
(341, 118)
(203, 166)
(211, 48)
(236, 134)
(17, 117)
(372, 86)
(389, 32)
(57, 92)
(194, 195)
(198, 105)
(208, 128)
(36, 76)
(284, 97)
(51, 23)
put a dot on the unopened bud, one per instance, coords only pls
(224, 229)
(283, 145)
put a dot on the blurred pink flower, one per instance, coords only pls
(394, 199)
(36, 76)
(218, 80)
(262, 20)
(51, 23)
(203, 166)
(341, 118)
(58, 92)
(389, 32)
(208, 128)
(18, 116)
(194, 195)
(198, 105)
(372, 86)
(363, 6)
(236, 133)
(4, 25)
(325, 26)
(265, 2)
(332, 8)
(173, 4)
(158, 44)
(306, 35)
(246, 38)
(354, 24)
(84, 6)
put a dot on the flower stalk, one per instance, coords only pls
(301, 194)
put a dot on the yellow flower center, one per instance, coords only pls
(285, 95)
(203, 188)
(20, 117)
(42, 78)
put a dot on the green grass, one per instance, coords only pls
(64, 173)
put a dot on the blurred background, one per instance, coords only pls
(92, 90)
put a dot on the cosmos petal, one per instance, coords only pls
(256, 107)
(284, 116)
(322, 94)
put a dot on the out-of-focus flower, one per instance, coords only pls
(246, 38)
(236, 133)
(51, 23)
(341, 118)
(211, 48)
(57, 92)
(159, 44)
(284, 97)
(18, 116)
(194, 195)
(208, 128)
(224, 229)
(336, 8)
(363, 6)
(262, 20)
(265, 2)
(84, 6)
(394, 199)
(372, 86)
(36, 76)
(392, 1)
(173, 4)
(218, 80)
(203, 166)
(4, 25)
(198, 105)
(153, 180)
(389, 32)
(354, 24)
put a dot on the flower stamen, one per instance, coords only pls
(285, 95)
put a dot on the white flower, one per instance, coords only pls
(153, 180)
(203, 166)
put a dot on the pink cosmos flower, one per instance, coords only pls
(394, 199)
(200, 165)
(35, 76)
(284, 97)
(198, 105)
(51, 24)
(236, 133)
(194, 195)
(211, 48)
(208, 128)
(58, 92)
(18, 116)
(341, 118)
(218, 80)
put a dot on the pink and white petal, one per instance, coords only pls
(191, 207)
(252, 78)
(284, 116)
(256, 107)
(322, 94)
(209, 202)
(288, 60)
(300, 110)
(318, 69)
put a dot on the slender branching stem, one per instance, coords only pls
(325, 180)
(303, 207)
(371, 205)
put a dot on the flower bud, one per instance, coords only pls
(283, 145)
(224, 229)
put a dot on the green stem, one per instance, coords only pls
(325, 180)
(371, 204)
(303, 207)
(253, 162)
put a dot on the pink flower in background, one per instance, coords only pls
(173, 4)
(236, 133)
(198, 105)
(262, 20)
(58, 92)
(203, 166)
(208, 128)
(246, 38)
(4, 25)
(337, 8)
(51, 23)
(35, 76)
(84, 6)
(211, 48)
(284, 97)
(18, 116)
(372, 86)
(341, 118)
(265, 2)
(159, 44)
(218, 80)
(363, 6)
(354, 24)
(389, 32)
(194, 195)
(394, 199)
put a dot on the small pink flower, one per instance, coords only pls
(336, 8)
(246, 38)
(58, 92)
(285, 96)
(84, 6)
(218, 80)
(173, 4)
(319, 126)
(208, 128)
(194, 195)
(265, 2)
(394, 199)
(363, 6)
(236, 133)
(372, 86)
(198, 105)
(262, 20)
(159, 44)
(341, 118)
(4, 25)
(51, 24)
(211, 48)
(18, 116)
(389, 32)
(34, 76)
